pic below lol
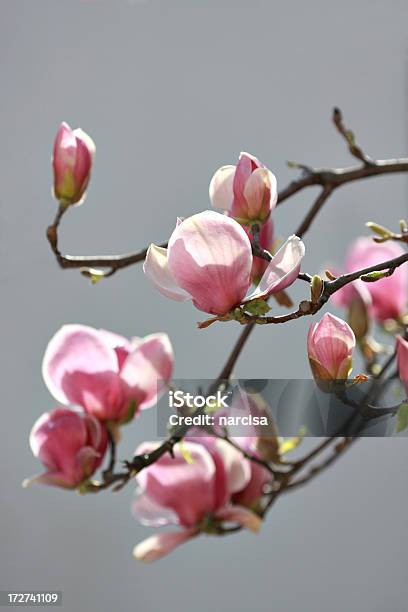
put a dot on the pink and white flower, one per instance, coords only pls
(248, 191)
(209, 261)
(194, 495)
(71, 446)
(105, 373)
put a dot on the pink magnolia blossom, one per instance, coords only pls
(209, 261)
(72, 162)
(70, 445)
(402, 359)
(330, 345)
(250, 495)
(105, 373)
(388, 296)
(247, 191)
(247, 436)
(195, 495)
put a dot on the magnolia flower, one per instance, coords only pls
(72, 162)
(71, 446)
(387, 297)
(402, 359)
(195, 494)
(106, 374)
(209, 261)
(247, 191)
(330, 345)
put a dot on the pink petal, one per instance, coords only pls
(85, 152)
(209, 255)
(247, 164)
(70, 444)
(259, 476)
(86, 141)
(185, 488)
(161, 544)
(156, 269)
(147, 370)
(282, 271)
(94, 430)
(243, 516)
(56, 437)
(236, 466)
(260, 193)
(221, 193)
(232, 469)
(150, 513)
(120, 345)
(52, 479)
(86, 459)
(64, 149)
(310, 342)
(79, 367)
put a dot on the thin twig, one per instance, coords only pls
(307, 307)
(112, 262)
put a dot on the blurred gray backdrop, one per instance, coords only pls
(170, 90)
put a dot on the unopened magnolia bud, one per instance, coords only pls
(316, 288)
(372, 277)
(403, 226)
(330, 345)
(358, 316)
(379, 229)
(247, 191)
(72, 162)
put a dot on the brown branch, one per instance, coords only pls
(336, 177)
(307, 307)
(349, 137)
(319, 202)
(86, 262)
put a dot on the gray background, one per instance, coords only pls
(171, 90)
